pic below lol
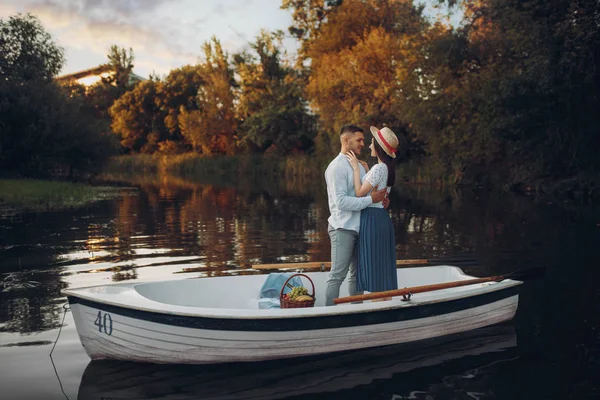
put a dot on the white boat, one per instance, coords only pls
(462, 355)
(217, 320)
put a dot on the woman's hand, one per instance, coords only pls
(352, 160)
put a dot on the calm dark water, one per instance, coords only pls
(178, 230)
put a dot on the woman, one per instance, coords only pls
(377, 242)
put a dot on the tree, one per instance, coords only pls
(212, 130)
(44, 129)
(361, 59)
(28, 51)
(103, 94)
(514, 92)
(307, 16)
(121, 62)
(178, 93)
(271, 108)
(137, 118)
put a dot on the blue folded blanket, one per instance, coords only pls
(269, 293)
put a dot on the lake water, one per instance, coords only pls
(170, 229)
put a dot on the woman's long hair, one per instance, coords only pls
(388, 161)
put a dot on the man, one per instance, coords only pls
(345, 209)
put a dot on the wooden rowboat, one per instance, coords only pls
(217, 320)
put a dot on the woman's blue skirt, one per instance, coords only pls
(376, 251)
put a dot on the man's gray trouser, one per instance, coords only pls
(344, 248)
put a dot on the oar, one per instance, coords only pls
(525, 274)
(327, 265)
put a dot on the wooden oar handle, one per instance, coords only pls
(326, 264)
(413, 262)
(415, 289)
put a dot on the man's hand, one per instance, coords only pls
(378, 195)
(386, 202)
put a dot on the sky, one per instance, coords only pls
(164, 34)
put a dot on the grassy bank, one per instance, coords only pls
(29, 194)
(217, 169)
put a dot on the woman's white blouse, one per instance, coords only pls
(377, 177)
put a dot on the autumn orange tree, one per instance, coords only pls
(191, 109)
(212, 126)
(359, 60)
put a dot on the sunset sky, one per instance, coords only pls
(164, 34)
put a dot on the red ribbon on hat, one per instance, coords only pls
(390, 148)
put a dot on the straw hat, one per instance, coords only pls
(387, 139)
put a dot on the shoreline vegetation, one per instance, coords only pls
(231, 170)
(18, 195)
(290, 174)
(197, 168)
(235, 170)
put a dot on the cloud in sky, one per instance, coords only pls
(164, 34)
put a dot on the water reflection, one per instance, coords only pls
(223, 227)
(27, 307)
(458, 363)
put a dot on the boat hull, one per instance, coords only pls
(451, 355)
(117, 332)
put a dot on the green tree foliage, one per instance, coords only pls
(44, 129)
(211, 128)
(307, 17)
(121, 62)
(513, 92)
(437, 107)
(103, 94)
(28, 51)
(271, 109)
(138, 119)
(178, 95)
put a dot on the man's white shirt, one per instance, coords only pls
(344, 206)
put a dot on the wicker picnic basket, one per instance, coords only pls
(286, 303)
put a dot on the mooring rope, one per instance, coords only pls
(66, 308)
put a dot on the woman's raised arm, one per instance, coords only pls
(360, 190)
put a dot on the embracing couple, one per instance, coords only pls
(360, 229)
